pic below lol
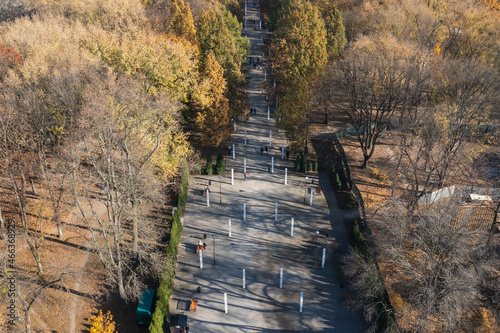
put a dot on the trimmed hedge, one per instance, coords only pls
(297, 163)
(303, 163)
(184, 188)
(220, 166)
(337, 184)
(158, 323)
(209, 166)
(358, 240)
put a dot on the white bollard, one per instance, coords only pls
(291, 229)
(208, 198)
(272, 164)
(232, 176)
(276, 211)
(244, 278)
(225, 303)
(245, 136)
(244, 164)
(311, 197)
(265, 74)
(323, 259)
(281, 277)
(286, 175)
(229, 223)
(234, 123)
(282, 151)
(260, 25)
(201, 259)
(275, 84)
(244, 211)
(268, 112)
(234, 152)
(301, 301)
(270, 137)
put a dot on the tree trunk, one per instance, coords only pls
(365, 161)
(135, 223)
(28, 320)
(59, 230)
(26, 309)
(2, 223)
(121, 288)
(35, 253)
(32, 186)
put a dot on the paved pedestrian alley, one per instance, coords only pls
(261, 241)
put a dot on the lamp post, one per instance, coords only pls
(305, 189)
(213, 238)
(220, 189)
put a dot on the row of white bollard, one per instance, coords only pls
(301, 302)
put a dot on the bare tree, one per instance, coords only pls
(15, 152)
(378, 77)
(32, 293)
(114, 184)
(434, 134)
(434, 265)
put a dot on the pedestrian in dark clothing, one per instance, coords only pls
(254, 65)
(287, 155)
(261, 150)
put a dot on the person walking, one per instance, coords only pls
(261, 150)
(245, 174)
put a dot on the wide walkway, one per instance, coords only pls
(260, 243)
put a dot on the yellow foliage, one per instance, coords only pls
(102, 323)
(437, 48)
(116, 15)
(380, 175)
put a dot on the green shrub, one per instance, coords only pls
(310, 166)
(164, 291)
(337, 184)
(358, 240)
(315, 166)
(184, 188)
(297, 163)
(303, 163)
(220, 166)
(209, 166)
(156, 325)
(197, 169)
